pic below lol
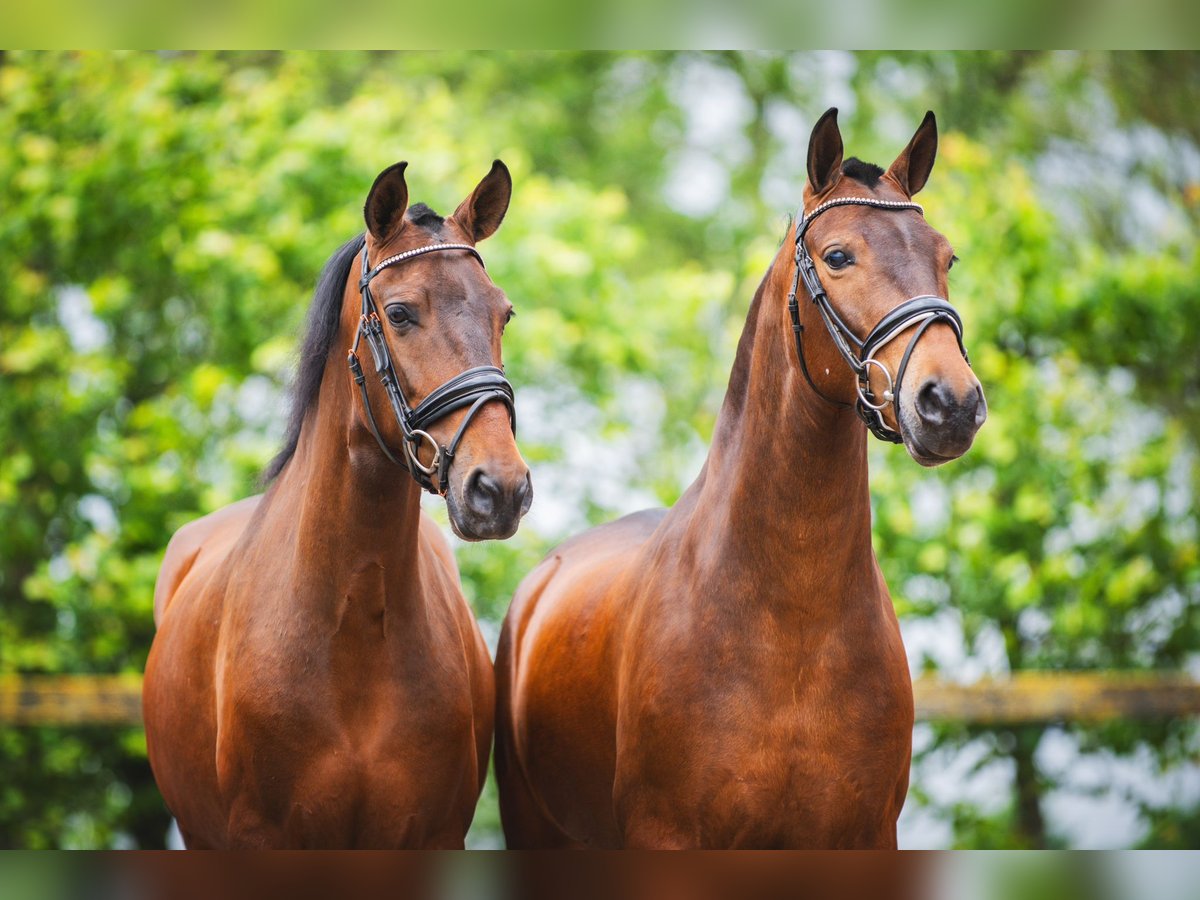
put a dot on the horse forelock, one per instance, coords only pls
(420, 214)
(864, 172)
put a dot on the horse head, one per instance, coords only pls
(884, 271)
(441, 320)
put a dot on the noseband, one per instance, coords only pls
(473, 388)
(923, 311)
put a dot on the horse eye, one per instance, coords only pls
(953, 260)
(836, 259)
(508, 317)
(398, 315)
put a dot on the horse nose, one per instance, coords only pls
(488, 496)
(939, 407)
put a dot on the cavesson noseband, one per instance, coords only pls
(923, 311)
(472, 388)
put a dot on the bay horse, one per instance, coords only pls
(317, 678)
(729, 673)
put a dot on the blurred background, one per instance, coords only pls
(163, 218)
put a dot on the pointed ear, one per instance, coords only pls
(825, 152)
(481, 213)
(912, 167)
(385, 206)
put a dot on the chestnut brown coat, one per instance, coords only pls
(729, 672)
(317, 679)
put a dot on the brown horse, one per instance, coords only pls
(729, 672)
(317, 679)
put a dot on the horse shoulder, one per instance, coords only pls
(556, 667)
(576, 576)
(191, 540)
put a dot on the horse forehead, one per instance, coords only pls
(911, 232)
(451, 279)
(466, 284)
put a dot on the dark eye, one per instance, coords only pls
(953, 260)
(508, 317)
(399, 315)
(836, 259)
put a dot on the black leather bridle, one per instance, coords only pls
(473, 388)
(922, 311)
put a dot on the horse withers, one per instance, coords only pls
(729, 672)
(317, 679)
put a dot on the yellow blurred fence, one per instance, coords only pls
(1025, 697)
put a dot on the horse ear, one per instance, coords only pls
(825, 152)
(481, 213)
(912, 167)
(385, 206)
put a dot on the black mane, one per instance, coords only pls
(868, 173)
(321, 331)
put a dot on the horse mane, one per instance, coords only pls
(321, 330)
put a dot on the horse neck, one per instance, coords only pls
(355, 511)
(784, 494)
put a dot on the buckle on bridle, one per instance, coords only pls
(412, 446)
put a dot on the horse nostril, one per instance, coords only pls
(483, 492)
(521, 495)
(934, 402)
(980, 408)
(940, 408)
(489, 497)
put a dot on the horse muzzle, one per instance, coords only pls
(940, 422)
(487, 505)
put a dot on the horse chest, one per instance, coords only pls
(366, 687)
(321, 736)
(826, 758)
(769, 748)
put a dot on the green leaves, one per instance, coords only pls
(165, 218)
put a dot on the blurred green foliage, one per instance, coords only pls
(163, 218)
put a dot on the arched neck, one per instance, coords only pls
(787, 472)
